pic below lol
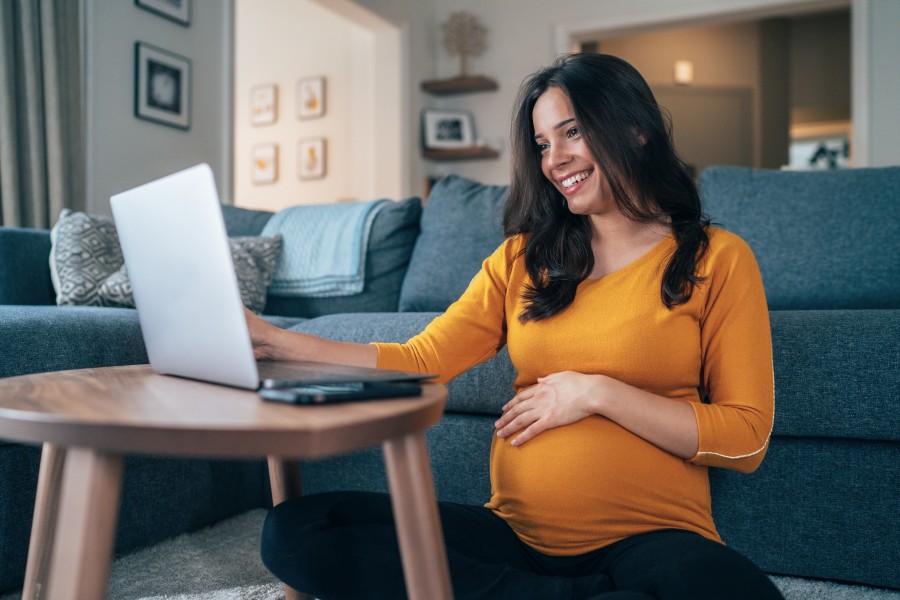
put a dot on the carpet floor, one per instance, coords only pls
(222, 563)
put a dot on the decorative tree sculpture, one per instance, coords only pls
(465, 36)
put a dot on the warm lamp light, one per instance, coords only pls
(684, 72)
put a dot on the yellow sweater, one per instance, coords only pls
(583, 486)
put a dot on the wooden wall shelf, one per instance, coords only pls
(471, 153)
(459, 85)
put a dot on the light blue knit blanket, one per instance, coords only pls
(324, 248)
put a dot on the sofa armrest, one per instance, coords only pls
(836, 373)
(25, 266)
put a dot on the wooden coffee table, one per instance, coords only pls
(87, 420)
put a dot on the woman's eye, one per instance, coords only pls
(572, 132)
(542, 148)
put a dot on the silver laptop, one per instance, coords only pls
(179, 263)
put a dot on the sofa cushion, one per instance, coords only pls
(391, 239)
(483, 389)
(37, 339)
(244, 221)
(24, 268)
(823, 239)
(836, 373)
(462, 224)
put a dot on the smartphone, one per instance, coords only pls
(327, 393)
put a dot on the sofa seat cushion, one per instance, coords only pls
(824, 239)
(37, 339)
(391, 240)
(483, 389)
(836, 374)
(462, 224)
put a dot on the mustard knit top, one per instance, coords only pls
(583, 486)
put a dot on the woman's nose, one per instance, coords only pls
(557, 155)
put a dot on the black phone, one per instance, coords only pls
(327, 393)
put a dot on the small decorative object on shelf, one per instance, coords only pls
(464, 36)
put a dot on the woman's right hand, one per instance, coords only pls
(261, 336)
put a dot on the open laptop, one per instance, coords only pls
(179, 263)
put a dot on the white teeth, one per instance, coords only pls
(575, 179)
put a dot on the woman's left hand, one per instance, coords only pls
(556, 400)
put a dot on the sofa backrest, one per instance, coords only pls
(462, 224)
(823, 239)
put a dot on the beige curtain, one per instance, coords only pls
(41, 136)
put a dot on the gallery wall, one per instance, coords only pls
(338, 151)
(123, 151)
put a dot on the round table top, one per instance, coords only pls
(132, 409)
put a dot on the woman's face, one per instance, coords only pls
(566, 159)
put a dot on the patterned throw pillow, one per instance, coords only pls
(87, 267)
(84, 252)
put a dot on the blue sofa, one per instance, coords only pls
(823, 506)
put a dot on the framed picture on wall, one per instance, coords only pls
(311, 157)
(311, 97)
(264, 104)
(447, 129)
(162, 86)
(265, 163)
(174, 10)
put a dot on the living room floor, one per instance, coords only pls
(222, 563)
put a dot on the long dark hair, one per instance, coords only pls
(623, 126)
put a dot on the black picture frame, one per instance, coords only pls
(162, 86)
(178, 11)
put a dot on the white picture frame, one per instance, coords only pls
(264, 104)
(311, 97)
(265, 163)
(311, 158)
(447, 129)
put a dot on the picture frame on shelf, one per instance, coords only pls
(311, 97)
(178, 11)
(264, 104)
(162, 86)
(444, 129)
(311, 158)
(265, 163)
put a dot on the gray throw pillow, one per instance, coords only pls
(87, 267)
(462, 224)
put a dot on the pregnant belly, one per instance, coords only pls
(576, 488)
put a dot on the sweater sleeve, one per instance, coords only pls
(472, 330)
(736, 344)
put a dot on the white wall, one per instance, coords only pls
(525, 35)
(281, 41)
(123, 151)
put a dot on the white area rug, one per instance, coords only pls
(222, 563)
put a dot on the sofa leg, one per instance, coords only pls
(43, 526)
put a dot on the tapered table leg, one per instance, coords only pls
(85, 532)
(43, 524)
(416, 515)
(284, 479)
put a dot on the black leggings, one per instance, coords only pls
(343, 545)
